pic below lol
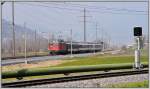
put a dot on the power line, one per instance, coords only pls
(85, 25)
(53, 7)
(95, 7)
(108, 8)
(103, 12)
(32, 17)
(84, 21)
(72, 9)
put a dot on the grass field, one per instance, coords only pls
(94, 60)
(143, 84)
(76, 61)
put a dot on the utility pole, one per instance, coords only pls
(53, 38)
(1, 27)
(49, 38)
(25, 44)
(35, 43)
(71, 42)
(13, 28)
(95, 39)
(39, 39)
(103, 40)
(84, 25)
(96, 32)
(109, 41)
(85, 21)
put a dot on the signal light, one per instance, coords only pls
(137, 31)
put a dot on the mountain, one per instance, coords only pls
(7, 38)
(7, 31)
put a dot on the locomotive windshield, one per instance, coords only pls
(58, 41)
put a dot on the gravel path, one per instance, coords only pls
(95, 83)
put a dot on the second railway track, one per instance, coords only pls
(72, 78)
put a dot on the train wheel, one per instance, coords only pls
(50, 53)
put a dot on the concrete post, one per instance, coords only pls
(137, 54)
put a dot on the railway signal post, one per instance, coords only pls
(138, 36)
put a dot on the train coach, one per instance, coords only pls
(62, 47)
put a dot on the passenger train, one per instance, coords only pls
(62, 47)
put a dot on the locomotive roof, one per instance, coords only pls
(81, 43)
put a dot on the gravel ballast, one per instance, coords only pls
(95, 83)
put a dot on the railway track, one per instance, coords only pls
(72, 78)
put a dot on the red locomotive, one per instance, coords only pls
(62, 47)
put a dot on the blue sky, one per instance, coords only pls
(115, 19)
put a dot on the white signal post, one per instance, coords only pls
(138, 40)
(137, 54)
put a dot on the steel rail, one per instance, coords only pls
(72, 78)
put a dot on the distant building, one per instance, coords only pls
(130, 46)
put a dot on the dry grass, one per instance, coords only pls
(34, 65)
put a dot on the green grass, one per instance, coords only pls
(94, 60)
(143, 84)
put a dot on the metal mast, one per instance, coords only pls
(71, 41)
(84, 25)
(13, 28)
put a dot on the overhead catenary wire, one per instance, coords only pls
(75, 9)
(106, 9)
(95, 7)
(64, 8)
(33, 17)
